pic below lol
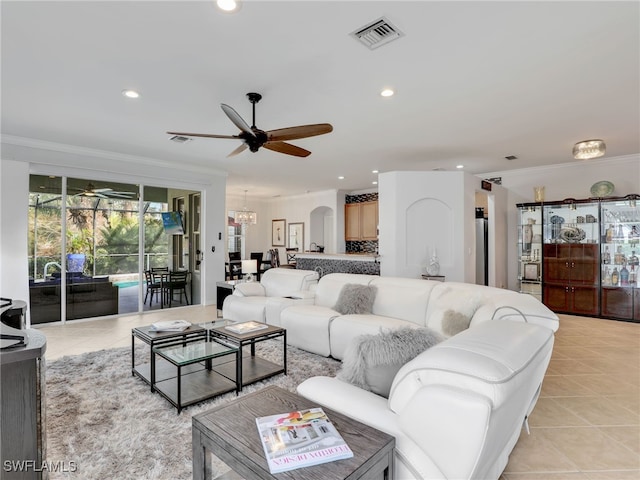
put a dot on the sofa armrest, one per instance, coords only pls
(249, 289)
(450, 425)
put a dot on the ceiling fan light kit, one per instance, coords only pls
(254, 138)
(588, 149)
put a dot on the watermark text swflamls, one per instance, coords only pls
(33, 466)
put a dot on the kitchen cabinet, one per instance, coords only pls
(361, 221)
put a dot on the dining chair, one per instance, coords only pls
(176, 282)
(154, 286)
(257, 256)
(291, 255)
(235, 265)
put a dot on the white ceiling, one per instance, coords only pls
(475, 81)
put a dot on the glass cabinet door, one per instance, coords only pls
(530, 249)
(620, 250)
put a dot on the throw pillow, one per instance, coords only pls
(355, 299)
(372, 361)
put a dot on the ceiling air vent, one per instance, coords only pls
(180, 139)
(376, 34)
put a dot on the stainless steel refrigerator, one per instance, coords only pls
(482, 251)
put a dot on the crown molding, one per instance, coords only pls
(103, 154)
(517, 172)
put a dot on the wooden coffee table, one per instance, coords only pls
(229, 432)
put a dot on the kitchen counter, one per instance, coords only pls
(356, 257)
(324, 263)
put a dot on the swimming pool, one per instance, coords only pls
(126, 284)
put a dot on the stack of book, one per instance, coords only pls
(170, 326)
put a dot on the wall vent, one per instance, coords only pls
(180, 139)
(377, 33)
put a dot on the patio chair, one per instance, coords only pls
(154, 286)
(176, 282)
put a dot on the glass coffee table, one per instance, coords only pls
(194, 386)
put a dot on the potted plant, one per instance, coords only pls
(79, 246)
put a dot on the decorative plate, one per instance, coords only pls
(602, 189)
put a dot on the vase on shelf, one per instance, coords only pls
(433, 268)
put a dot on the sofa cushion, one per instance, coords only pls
(403, 298)
(452, 306)
(372, 361)
(280, 282)
(355, 299)
(330, 285)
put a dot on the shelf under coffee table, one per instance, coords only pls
(252, 368)
(190, 387)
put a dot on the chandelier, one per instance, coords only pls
(246, 217)
(589, 149)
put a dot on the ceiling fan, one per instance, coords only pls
(254, 138)
(92, 191)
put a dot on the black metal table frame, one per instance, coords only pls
(192, 334)
(178, 403)
(242, 340)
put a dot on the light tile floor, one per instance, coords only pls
(586, 424)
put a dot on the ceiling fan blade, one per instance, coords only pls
(100, 190)
(243, 146)
(124, 195)
(237, 119)
(205, 135)
(302, 131)
(287, 148)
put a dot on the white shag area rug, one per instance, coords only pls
(110, 425)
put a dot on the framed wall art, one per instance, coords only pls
(296, 236)
(278, 232)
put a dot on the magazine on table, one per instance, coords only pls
(300, 439)
(170, 326)
(246, 327)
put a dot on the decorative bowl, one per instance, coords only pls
(572, 234)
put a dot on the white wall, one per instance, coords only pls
(420, 211)
(296, 209)
(568, 180)
(14, 208)
(45, 158)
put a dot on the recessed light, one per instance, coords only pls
(228, 5)
(459, 166)
(130, 93)
(374, 182)
(340, 177)
(387, 92)
(374, 171)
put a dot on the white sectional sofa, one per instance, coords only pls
(457, 409)
(315, 326)
(263, 301)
